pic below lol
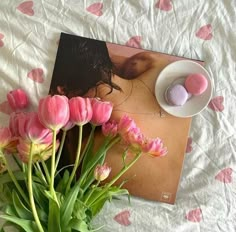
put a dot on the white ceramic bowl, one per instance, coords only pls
(177, 71)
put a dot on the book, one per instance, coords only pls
(125, 76)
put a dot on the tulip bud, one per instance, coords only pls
(54, 111)
(80, 110)
(101, 111)
(17, 99)
(101, 172)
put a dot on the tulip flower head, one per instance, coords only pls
(134, 138)
(101, 111)
(80, 110)
(101, 172)
(15, 118)
(40, 151)
(154, 147)
(17, 99)
(5, 137)
(110, 128)
(54, 111)
(31, 129)
(125, 124)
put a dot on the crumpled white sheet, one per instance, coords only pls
(206, 199)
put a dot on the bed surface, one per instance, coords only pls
(204, 30)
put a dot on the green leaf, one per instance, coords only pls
(19, 175)
(10, 210)
(27, 225)
(39, 195)
(68, 206)
(61, 187)
(112, 192)
(79, 225)
(54, 217)
(20, 208)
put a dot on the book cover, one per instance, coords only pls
(125, 76)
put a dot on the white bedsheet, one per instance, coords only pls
(200, 29)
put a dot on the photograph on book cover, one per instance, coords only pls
(125, 76)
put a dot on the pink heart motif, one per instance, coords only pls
(123, 218)
(134, 41)
(205, 32)
(36, 75)
(26, 8)
(216, 103)
(225, 175)
(1, 42)
(164, 5)
(189, 145)
(95, 8)
(5, 108)
(194, 215)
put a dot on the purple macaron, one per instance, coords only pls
(176, 95)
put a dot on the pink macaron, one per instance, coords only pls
(196, 83)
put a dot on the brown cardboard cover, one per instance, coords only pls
(136, 71)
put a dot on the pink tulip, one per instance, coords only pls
(17, 99)
(31, 129)
(134, 138)
(80, 110)
(125, 124)
(5, 137)
(101, 172)
(8, 143)
(101, 111)
(110, 128)
(14, 122)
(154, 147)
(68, 126)
(40, 151)
(54, 111)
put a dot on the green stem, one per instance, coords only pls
(17, 162)
(91, 192)
(123, 170)
(45, 168)
(40, 172)
(52, 191)
(15, 180)
(77, 158)
(87, 144)
(30, 189)
(60, 148)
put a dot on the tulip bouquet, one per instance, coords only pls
(37, 195)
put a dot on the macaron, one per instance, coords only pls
(176, 95)
(196, 83)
